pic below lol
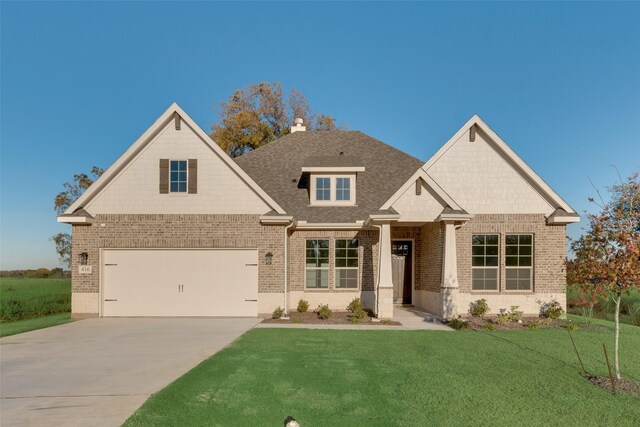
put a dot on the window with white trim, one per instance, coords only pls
(323, 188)
(347, 261)
(518, 262)
(178, 177)
(333, 190)
(484, 262)
(317, 264)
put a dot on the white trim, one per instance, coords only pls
(327, 268)
(454, 217)
(484, 267)
(559, 220)
(304, 225)
(332, 190)
(268, 219)
(520, 166)
(165, 119)
(445, 198)
(75, 220)
(530, 267)
(333, 169)
(335, 269)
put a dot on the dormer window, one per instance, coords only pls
(333, 190)
(332, 179)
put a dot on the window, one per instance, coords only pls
(484, 262)
(323, 188)
(178, 181)
(317, 264)
(346, 264)
(343, 188)
(519, 262)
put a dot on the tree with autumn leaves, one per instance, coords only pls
(607, 256)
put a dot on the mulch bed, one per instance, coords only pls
(337, 318)
(631, 387)
(478, 323)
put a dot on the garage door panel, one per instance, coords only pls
(221, 282)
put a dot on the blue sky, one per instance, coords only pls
(81, 81)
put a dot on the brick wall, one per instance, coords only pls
(178, 231)
(368, 253)
(549, 250)
(432, 237)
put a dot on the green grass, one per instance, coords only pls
(629, 307)
(30, 298)
(20, 326)
(345, 377)
(27, 304)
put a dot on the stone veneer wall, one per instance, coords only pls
(178, 231)
(549, 251)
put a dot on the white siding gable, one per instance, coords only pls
(482, 181)
(426, 206)
(135, 189)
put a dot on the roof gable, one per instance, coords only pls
(486, 176)
(141, 144)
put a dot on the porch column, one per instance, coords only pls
(384, 309)
(449, 286)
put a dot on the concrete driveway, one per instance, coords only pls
(99, 371)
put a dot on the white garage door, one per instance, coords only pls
(189, 282)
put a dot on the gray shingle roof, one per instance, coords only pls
(332, 161)
(276, 167)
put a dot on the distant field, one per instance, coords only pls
(27, 298)
(629, 307)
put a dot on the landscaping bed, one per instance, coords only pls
(489, 323)
(337, 318)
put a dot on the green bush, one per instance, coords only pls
(533, 325)
(489, 327)
(356, 308)
(573, 327)
(515, 315)
(479, 308)
(323, 311)
(277, 313)
(296, 320)
(552, 310)
(355, 319)
(458, 324)
(503, 318)
(303, 306)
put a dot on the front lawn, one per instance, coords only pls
(28, 303)
(347, 377)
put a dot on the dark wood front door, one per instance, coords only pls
(404, 248)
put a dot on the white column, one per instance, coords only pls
(385, 276)
(449, 287)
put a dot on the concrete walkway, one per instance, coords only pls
(97, 372)
(410, 318)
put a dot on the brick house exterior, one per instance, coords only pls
(329, 217)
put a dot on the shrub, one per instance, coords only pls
(515, 315)
(573, 327)
(296, 320)
(458, 324)
(355, 319)
(503, 318)
(479, 308)
(356, 308)
(489, 327)
(533, 325)
(552, 310)
(303, 306)
(277, 313)
(323, 311)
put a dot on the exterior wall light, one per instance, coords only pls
(268, 257)
(84, 257)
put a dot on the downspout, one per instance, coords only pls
(286, 268)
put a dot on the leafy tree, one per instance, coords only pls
(607, 256)
(62, 201)
(260, 113)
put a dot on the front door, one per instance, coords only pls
(403, 274)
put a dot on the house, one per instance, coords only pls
(175, 227)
